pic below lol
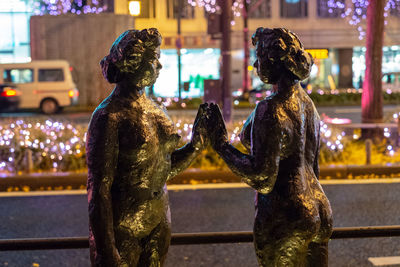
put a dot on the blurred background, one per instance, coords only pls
(66, 30)
(50, 83)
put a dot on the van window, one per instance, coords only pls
(51, 75)
(18, 75)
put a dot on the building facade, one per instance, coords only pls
(334, 43)
(14, 31)
(339, 53)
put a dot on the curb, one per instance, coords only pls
(344, 171)
(51, 181)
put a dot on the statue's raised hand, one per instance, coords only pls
(199, 131)
(216, 126)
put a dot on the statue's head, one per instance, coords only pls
(280, 53)
(134, 55)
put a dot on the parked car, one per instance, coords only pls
(9, 97)
(44, 84)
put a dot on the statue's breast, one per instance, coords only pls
(166, 130)
(146, 141)
(134, 134)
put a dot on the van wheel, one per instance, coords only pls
(49, 106)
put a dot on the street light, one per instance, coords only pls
(134, 8)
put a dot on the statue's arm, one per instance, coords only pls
(182, 157)
(259, 169)
(102, 155)
(245, 134)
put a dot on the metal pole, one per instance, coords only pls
(178, 48)
(368, 151)
(246, 82)
(192, 238)
(29, 161)
(226, 16)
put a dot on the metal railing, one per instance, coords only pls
(191, 238)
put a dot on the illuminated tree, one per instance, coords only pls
(374, 12)
(58, 7)
(211, 6)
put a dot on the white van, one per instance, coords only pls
(44, 84)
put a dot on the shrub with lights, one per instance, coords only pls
(339, 147)
(60, 146)
(45, 145)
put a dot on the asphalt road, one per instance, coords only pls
(351, 112)
(202, 211)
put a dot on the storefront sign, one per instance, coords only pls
(318, 53)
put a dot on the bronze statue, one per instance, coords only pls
(131, 153)
(293, 220)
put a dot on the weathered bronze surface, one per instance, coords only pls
(131, 153)
(293, 220)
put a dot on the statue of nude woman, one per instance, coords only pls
(131, 154)
(293, 221)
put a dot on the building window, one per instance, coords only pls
(326, 11)
(294, 8)
(187, 11)
(197, 65)
(147, 9)
(14, 31)
(259, 9)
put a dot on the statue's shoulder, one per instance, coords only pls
(111, 104)
(310, 105)
(105, 115)
(158, 107)
(266, 106)
(265, 113)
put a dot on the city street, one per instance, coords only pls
(202, 210)
(351, 112)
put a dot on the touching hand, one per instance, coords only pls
(216, 126)
(199, 131)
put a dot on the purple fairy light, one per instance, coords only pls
(58, 7)
(211, 6)
(357, 13)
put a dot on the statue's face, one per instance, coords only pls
(259, 72)
(149, 70)
(267, 71)
(155, 66)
